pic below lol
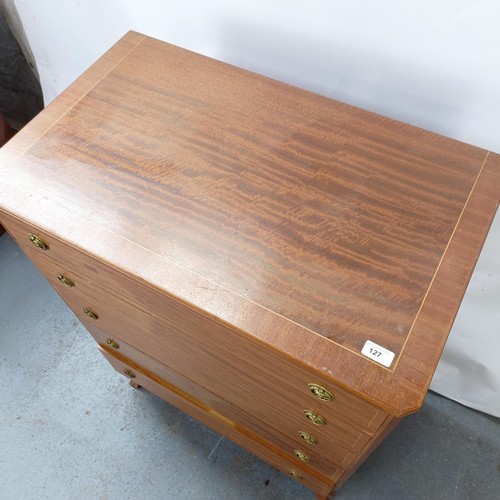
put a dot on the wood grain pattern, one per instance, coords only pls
(198, 350)
(285, 224)
(243, 238)
(327, 458)
(106, 283)
(252, 442)
(329, 221)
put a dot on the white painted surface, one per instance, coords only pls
(432, 64)
(469, 370)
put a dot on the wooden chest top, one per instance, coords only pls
(308, 225)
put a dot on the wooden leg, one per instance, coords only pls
(134, 385)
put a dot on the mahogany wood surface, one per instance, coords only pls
(197, 349)
(252, 442)
(241, 238)
(329, 460)
(102, 287)
(326, 457)
(306, 224)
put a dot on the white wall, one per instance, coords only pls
(435, 64)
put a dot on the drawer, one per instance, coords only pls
(208, 358)
(323, 456)
(181, 317)
(253, 443)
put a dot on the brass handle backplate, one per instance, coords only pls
(112, 343)
(321, 392)
(65, 280)
(308, 438)
(301, 455)
(296, 475)
(314, 417)
(38, 242)
(91, 314)
(129, 373)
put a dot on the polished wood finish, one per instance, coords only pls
(205, 342)
(330, 460)
(226, 427)
(327, 456)
(101, 283)
(240, 238)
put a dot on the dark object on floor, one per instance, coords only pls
(6, 131)
(5, 134)
(20, 92)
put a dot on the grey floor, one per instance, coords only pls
(71, 427)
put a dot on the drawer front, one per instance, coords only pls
(343, 406)
(253, 443)
(322, 457)
(208, 356)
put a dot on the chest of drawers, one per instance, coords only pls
(283, 267)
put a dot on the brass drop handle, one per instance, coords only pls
(91, 314)
(321, 392)
(302, 455)
(112, 343)
(308, 438)
(296, 474)
(38, 242)
(65, 280)
(129, 373)
(314, 417)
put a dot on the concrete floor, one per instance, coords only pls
(72, 428)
